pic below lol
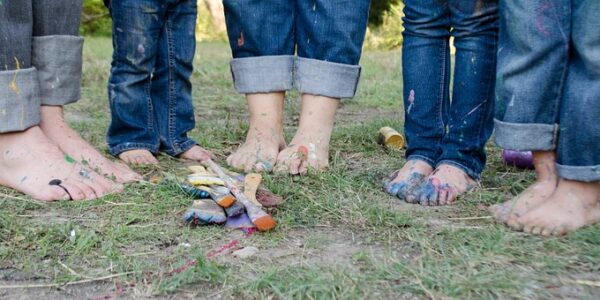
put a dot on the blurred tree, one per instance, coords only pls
(379, 8)
(95, 19)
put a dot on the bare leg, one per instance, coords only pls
(310, 146)
(444, 186)
(70, 142)
(545, 185)
(404, 182)
(573, 205)
(29, 161)
(265, 136)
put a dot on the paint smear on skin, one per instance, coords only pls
(241, 41)
(13, 84)
(312, 151)
(303, 152)
(411, 100)
(69, 159)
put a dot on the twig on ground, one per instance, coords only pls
(50, 285)
(472, 218)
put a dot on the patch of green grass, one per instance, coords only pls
(339, 236)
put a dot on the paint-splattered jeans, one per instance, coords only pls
(548, 85)
(326, 35)
(439, 130)
(40, 59)
(149, 89)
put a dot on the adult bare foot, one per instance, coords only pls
(196, 153)
(404, 182)
(545, 185)
(573, 205)
(32, 164)
(444, 186)
(309, 149)
(70, 142)
(138, 157)
(265, 136)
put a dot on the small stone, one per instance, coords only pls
(245, 252)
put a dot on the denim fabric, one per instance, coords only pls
(549, 82)
(149, 87)
(440, 130)
(40, 59)
(326, 35)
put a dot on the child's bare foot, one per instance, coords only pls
(444, 186)
(404, 182)
(138, 157)
(32, 164)
(310, 146)
(547, 179)
(573, 205)
(265, 136)
(70, 142)
(196, 153)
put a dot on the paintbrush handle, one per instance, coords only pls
(254, 212)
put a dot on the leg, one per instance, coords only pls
(261, 35)
(330, 35)
(529, 90)
(574, 203)
(29, 161)
(171, 86)
(426, 69)
(469, 123)
(136, 31)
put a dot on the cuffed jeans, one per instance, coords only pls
(40, 59)
(326, 35)
(439, 130)
(548, 93)
(149, 89)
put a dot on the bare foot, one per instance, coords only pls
(29, 162)
(573, 205)
(444, 186)
(70, 142)
(265, 136)
(404, 182)
(309, 149)
(547, 179)
(196, 153)
(138, 157)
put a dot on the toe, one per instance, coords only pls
(74, 190)
(547, 231)
(537, 230)
(515, 224)
(443, 198)
(294, 164)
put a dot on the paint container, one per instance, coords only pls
(391, 138)
(237, 222)
(519, 159)
(235, 210)
(205, 212)
(196, 192)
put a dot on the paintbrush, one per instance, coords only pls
(262, 220)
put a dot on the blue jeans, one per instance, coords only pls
(149, 87)
(326, 35)
(439, 130)
(548, 93)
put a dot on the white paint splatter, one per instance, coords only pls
(411, 100)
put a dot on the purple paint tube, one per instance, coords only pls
(519, 159)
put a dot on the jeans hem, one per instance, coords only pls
(323, 78)
(180, 148)
(19, 100)
(58, 59)
(474, 175)
(525, 136)
(263, 74)
(422, 158)
(579, 173)
(116, 150)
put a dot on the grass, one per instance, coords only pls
(339, 235)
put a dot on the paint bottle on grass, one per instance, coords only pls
(391, 138)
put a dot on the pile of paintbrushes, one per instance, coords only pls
(220, 200)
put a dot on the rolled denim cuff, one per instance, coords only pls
(525, 136)
(322, 78)
(263, 74)
(58, 59)
(579, 173)
(19, 101)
